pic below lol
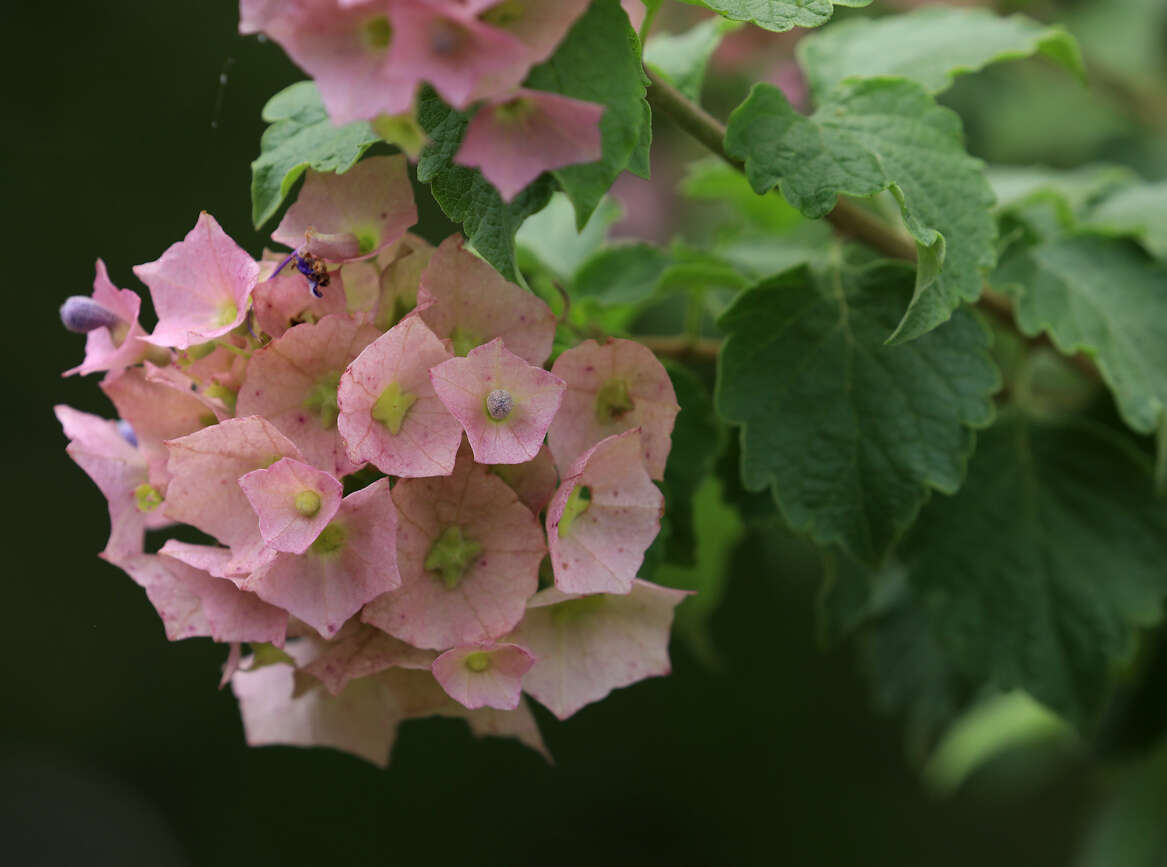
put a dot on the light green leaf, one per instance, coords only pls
(930, 46)
(1072, 190)
(778, 15)
(850, 433)
(1139, 211)
(599, 61)
(1106, 298)
(300, 137)
(716, 180)
(1037, 574)
(634, 272)
(551, 237)
(682, 58)
(466, 196)
(867, 137)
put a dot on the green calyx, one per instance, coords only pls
(402, 130)
(307, 503)
(451, 555)
(392, 406)
(463, 340)
(376, 34)
(147, 498)
(330, 540)
(478, 661)
(577, 503)
(613, 401)
(321, 399)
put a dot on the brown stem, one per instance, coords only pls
(847, 218)
(682, 347)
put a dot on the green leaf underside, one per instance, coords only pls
(1071, 190)
(1037, 573)
(465, 195)
(867, 137)
(850, 433)
(551, 237)
(682, 58)
(599, 61)
(300, 137)
(1139, 211)
(778, 15)
(930, 46)
(1104, 297)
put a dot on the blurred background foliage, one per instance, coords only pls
(126, 119)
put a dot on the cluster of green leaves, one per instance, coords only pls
(990, 521)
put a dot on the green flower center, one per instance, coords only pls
(226, 314)
(577, 503)
(330, 540)
(321, 399)
(376, 34)
(307, 503)
(613, 401)
(451, 555)
(392, 406)
(478, 661)
(146, 497)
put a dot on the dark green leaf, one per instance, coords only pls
(1038, 572)
(884, 134)
(599, 61)
(778, 15)
(850, 433)
(300, 137)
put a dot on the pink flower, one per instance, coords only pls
(603, 518)
(353, 560)
(469, 555)
(540, 27)
(401, 265)
(293, 383)
(359, 651)
(612, 388)
(200, 286)
(283, 301)
(488, 675)
(515, 138)
(293, 501)
(119, 471)
(504, 404)
(464, 300)
(204, 491)
(534, 482)
(343, 217)
(389, 413)
(587, 646)
(114, 347)
(157, 411)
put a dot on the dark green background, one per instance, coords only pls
(116, 747)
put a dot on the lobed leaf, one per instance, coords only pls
(300, 137)
(1038, 572)
(1140, 211)
(869, 136)
(930, 46)
(850, 433)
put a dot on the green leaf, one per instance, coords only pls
(1129, 828)
(869, 136)
(466, 196)
(851, 595)
(698, 439)
(1104, 297)
(850, 433)
(1040, 569)
(599, 61)
(778, 15)
(551, 237)
(716, 180)
(300, 137)
(930, 46)
(719, 528)
(632, 273)
(682, 58)
(1139, 211)
(1072, 190)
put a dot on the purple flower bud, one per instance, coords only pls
(127, 432)
(82, 315)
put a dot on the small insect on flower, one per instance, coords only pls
(312, 267)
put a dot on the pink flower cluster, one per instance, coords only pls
(369, 57)
(405, 513)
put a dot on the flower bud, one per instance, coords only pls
(82, 315)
